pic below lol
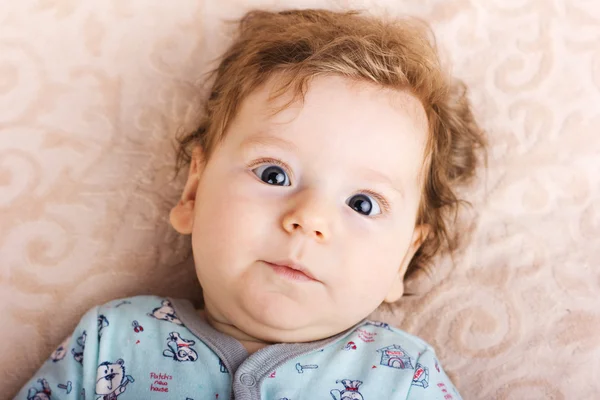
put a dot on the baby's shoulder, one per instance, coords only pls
(381, 332)
(137, 310)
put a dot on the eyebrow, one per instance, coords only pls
(375, 176)
(267, 140)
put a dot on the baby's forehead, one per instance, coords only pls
(331, 103)
(326, 89)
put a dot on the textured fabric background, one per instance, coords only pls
(91, 94)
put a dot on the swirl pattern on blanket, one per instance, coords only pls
(91, 94)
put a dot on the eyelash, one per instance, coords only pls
(385, 205)
(275, 161)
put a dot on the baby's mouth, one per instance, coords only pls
(290, 270)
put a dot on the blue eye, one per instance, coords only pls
(272, 174)
(364, 204)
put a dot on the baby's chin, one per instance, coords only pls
(288, 322)
(278, 332)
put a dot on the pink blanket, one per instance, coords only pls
(91, 94)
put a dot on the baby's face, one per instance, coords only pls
(331, 185)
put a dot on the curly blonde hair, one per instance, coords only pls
(399, 54)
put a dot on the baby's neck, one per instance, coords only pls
(252, 347)
(250, 344)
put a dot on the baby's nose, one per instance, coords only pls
(311, 214)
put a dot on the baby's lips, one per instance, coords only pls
(295, 266)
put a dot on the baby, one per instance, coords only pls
(323, 173)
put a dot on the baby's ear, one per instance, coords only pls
(182, 215)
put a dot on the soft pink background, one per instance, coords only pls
(91, 94)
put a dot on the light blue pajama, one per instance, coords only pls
(148, 347)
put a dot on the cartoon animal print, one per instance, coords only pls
(102, 322)
(60, 351)
(179, 348)
(78, 354)
(349, 346)
(44, 394)
(111, 380)
(350, 391)
(166, 313)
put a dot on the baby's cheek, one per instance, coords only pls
(373, 284)
(375, 274)
(217, 213)
(359, 289)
